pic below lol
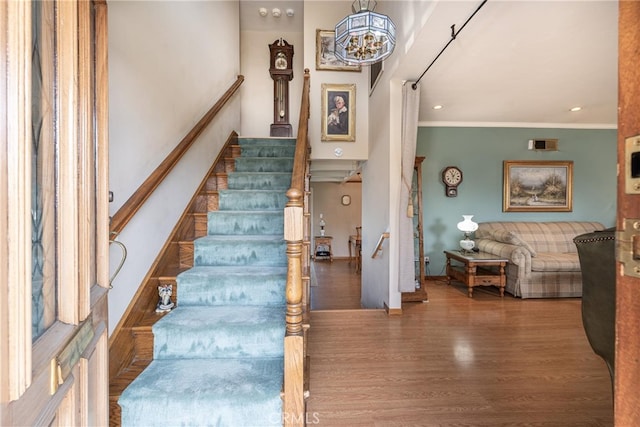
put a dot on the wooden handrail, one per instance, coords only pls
(383, 236)
(294, 226)
(137, 199)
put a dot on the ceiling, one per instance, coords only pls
(516, 63)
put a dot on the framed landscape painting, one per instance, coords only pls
(537, 186)
(326, 58)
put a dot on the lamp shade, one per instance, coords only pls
(467, 225)
(365, 37)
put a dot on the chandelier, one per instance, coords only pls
(365, 37)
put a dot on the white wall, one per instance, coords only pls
(256, 93)
(165, 72)
(381, 174)
(323, 15)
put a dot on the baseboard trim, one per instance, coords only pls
(392, 311)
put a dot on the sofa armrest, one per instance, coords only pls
(517, 255)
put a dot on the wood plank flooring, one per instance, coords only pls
(337, 285)
(453, 361)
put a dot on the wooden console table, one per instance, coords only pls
(476, 269)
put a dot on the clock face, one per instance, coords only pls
(452, 176)
(281, 61)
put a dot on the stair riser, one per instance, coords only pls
(252, 200)
(244, 142)
(223, 343)
(268, 151)
(259, 181)
(243, 223)
(232, 253)
(236, 290)
(224, 332)
(257, 164)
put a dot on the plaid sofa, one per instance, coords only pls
(543, 259)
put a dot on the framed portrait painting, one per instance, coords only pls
(338, 112)
(326, 58)
(538, 186)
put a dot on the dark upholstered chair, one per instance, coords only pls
(598, 265)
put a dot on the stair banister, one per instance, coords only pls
(137, 199)
(294, 234)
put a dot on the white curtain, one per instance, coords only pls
(410, 107)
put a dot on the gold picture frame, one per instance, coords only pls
(338, 112)
(325, 53)
(537, 186)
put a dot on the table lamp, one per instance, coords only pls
(467, 226)
(322, 224)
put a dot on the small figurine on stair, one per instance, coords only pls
(164, 301)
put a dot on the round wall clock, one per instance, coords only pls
(451, 177)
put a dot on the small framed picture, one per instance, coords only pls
(538, 186)
(326, 53)
(338, 112)
(346, 200)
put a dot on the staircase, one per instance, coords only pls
(218, 356)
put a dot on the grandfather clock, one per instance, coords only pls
(281, 72)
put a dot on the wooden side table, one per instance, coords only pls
(323, 245)
(476, 269)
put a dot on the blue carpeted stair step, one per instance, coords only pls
(244, 200)
(220, 332)
(259, 181)
(245, 222)
(264, 250)
(232, 285)
(264, 164)
(207, 392)
(268, 150)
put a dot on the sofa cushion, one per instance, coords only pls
(511, 238)
(552, 261)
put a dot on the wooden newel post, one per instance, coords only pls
(293, 234)
(293, 403)
(294, 289)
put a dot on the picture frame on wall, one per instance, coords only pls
(338, 112)
(537, 186)
(375, 71)
(326, 58)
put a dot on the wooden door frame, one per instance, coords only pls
(627, 365)
(62, 377)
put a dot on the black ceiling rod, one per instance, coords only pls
(454, 34)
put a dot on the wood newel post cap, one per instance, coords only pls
(294, 195)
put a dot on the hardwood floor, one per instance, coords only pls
(336, 285)
(454, 361)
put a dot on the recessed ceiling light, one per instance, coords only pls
(437, 107)
(574, 109)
